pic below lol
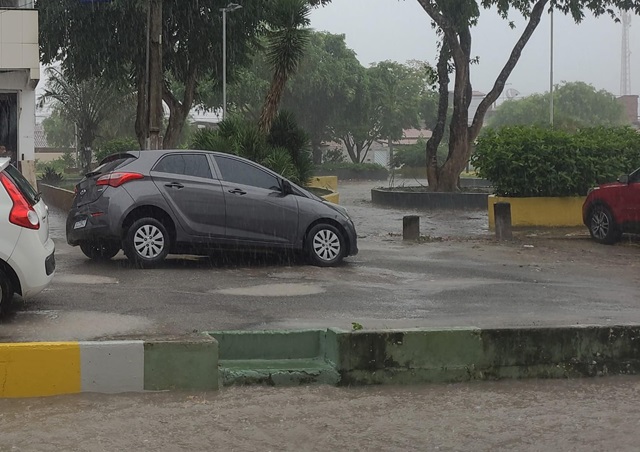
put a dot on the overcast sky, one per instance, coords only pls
(400, 30)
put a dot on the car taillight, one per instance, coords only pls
(22, 214)
(118, 178)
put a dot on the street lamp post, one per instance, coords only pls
(551, 73)
(229, 8)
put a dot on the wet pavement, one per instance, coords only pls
(458, 275)
(546, 415)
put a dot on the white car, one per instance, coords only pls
(27, 261)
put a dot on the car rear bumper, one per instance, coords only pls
(33, 262)
(84, 225)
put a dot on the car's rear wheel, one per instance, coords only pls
(602, 226)
(325, 245)
(147, 242)
(6, 292)
(100, 251)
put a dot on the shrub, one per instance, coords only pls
(532, 161)
(115, 147)
(333, 156)
(284, 150)
(50, 176)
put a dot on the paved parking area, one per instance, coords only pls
(458, 276)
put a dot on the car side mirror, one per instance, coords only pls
(286, 187)
(624, 179)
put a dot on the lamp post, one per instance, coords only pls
(551, 74)
(229, 8)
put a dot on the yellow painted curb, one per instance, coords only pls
(560, 212)
(36, 369)
(332, 197)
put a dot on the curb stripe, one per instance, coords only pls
(35, 369)
(111, 367)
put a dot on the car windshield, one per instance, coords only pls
(23, 184)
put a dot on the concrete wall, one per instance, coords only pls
(57, 197)
(563, 212)
(435, 355)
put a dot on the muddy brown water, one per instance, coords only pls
(546, 415)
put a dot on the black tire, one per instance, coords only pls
(147, 242)
(602, 226)
(325, 246)
(99, 251)
(6, 293)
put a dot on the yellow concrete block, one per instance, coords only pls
(565, 211)
(332, 197)
(36, 369)
(328, 182)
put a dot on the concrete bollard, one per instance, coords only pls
(410, 227)
(502, 215)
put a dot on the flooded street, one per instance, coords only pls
(545, 415)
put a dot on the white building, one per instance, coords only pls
(19, 75)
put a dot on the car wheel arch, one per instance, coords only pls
(13, 277)
(600, 203)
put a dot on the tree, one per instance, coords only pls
(454, 21)
(86, 104)
(575, 104)
(108, 40)
(286, 38)
(397, 90)
(324, 84)
(60, 132)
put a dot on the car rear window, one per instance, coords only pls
(23, 184)
(112, 163)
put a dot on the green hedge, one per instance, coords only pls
(532, 161)
(346, 170)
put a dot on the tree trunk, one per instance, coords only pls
(433, 172)
(316, 151)
(156, 76)
(272, 101)
(390, 144)
(142, 117)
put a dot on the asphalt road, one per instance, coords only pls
(457, 276)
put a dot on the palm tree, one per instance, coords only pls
(287, 37)
(86, 104)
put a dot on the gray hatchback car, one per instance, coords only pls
(152, 203)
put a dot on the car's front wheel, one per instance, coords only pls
(602, 226)
(147, 242)
(99, 251)
(325, 245)
(6, 292)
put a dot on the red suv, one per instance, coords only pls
(613, 209)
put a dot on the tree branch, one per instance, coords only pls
(534, 20)
(447, 28)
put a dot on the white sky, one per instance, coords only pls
(400, 30)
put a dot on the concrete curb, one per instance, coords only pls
(429, 355)
(52, 368)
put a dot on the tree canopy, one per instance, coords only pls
(454, 21)
(575, 104)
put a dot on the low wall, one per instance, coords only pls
(559, 212)
(51, 368)
(56, 197)
(349, 174)
(428, 200)
(431, 355)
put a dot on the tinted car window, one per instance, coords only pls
(23, 185)
(242, 173)
(195, 165)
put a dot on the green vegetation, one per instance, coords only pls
(576, 104)
(284, 149)
(532, 161)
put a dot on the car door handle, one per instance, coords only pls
(174, 185)
(237, 191)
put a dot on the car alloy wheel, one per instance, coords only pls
(325, 245)
(147, 242)
(602, 226)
